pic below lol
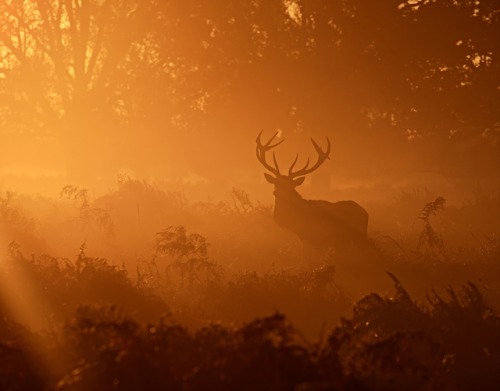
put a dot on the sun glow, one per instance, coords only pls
(148, 235)
(20, 301)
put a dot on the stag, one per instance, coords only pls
(319, 224)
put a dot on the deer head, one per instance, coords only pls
(286, 184)
(318, 223)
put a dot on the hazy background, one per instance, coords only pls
(176, 92)
(149, 110)
(128, 174)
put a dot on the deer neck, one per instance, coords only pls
(286, 207)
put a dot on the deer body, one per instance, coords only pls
(318, 223)
(321, 223)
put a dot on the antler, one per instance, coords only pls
(322, 156)
(261, 153)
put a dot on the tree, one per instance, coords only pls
(408, 75)
(66, 67)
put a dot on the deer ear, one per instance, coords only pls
(298, 181)
(270, 178)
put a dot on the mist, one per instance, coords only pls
(135, 191)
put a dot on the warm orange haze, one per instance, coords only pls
(249, 195)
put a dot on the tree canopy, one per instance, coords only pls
(95, 73)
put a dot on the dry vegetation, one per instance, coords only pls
(214, 296)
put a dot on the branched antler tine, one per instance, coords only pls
(322, 156)
(257, 140)
(316, 146)
(299, 172)
(274, 145)
(271, 140)
(267, 146)
(257, 153)
(261, 157)
(261, 150)
(306, 165)
(290, 171)
(320, 151)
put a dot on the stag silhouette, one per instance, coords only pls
(319, 224)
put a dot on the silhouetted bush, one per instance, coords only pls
(390, 343)
(63, 285)
(19, 368)
(108, 329)
(116, 353)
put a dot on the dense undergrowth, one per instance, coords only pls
(214, 296)
(389, 343)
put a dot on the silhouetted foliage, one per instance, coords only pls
(89, 214)
(430, 243)
(115, 340)
(108, 329)
(421, 346)
(19, 370)
(67, 284)
(389, 343)
(175, 242)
